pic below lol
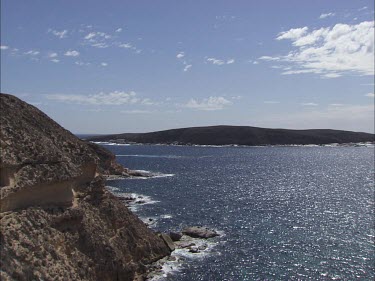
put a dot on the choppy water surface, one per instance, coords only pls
(287, 212)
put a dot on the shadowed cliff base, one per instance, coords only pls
(58, 221)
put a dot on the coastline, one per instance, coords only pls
(186, 243)
(349, 144)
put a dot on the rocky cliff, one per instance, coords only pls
(58, 222)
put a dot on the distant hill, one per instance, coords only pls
(240, 135)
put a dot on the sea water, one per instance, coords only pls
(285, 213)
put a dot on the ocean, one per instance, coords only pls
(284, 213)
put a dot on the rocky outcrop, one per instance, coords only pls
(58, 222)
(107, 164)
(199, 232)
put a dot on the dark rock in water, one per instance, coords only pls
(168, 241)
(202, 247)
(183, 245)
(194, 250)
(175, 236)
(200, 232)
(135, 173)
(58, 221)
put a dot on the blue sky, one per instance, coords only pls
(137, 66)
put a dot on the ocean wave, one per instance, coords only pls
(172, 265)
(143, 174)
(110, 143)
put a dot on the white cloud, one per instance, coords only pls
(292, 34)
(90, 35)
(219, 61)
(112, 98)
(61, 34)
(323, 16)
(81, 63)
(100, 45)
(180, 55)
(125, 46)
(330, 52)
(118, 29)
(55, 60)
(187, 67)
(32, 53)
(130, 47)
(72, 53)
(3, 47)
(98, 39)
(104, 64)
(215, 61)
(370, 95)
(309, 104)
(268, 58)
(255, 62)
(52, 55)
(363, 8)
(211, 103)
(147, 101)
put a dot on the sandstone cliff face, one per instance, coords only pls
(58, 222)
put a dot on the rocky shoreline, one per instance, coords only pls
(191, 239)
(347, 144)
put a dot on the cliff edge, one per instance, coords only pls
(58, 222)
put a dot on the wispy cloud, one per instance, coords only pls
(129, 46)
(125, 45)
(309, 104)
(72, 53)
(330, 52)
(52, 55)
(112, 98)
(60, 34)
(32, 53)
(208, 104)
(370, 95)
(187, 67)
(55, 60)
(219, 61)
(104, 64)
(323, 16)
(118, 29)
(98, 39)
(3, 47)
(180, 55)
(81, 63)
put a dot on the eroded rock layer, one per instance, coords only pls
(58, 222)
